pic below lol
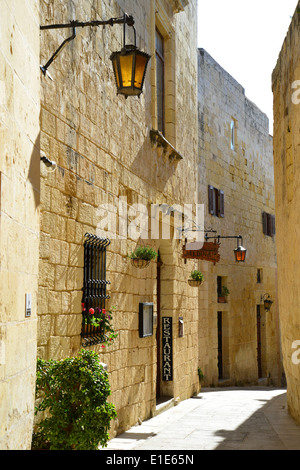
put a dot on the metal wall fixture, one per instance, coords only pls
(51, 165)
(240, 252)
(266, 299)
(129, 64)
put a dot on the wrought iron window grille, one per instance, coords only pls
(94, 289)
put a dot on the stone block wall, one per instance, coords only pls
(19, 218)
(245, 175)
(104, 154)
(285, 82)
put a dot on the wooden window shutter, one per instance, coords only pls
(273, 228)
(265, 223)
(211, 200)
(271, 225)
(221, 204)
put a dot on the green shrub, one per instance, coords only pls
(73, 392)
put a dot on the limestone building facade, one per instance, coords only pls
(126, 173)
(239, 342)
(285, 82)
(112, 153)
(19, 218)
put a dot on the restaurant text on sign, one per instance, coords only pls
(167, 359)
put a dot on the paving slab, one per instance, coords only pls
(252, 418)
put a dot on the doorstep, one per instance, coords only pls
(224, 382)
(163, 404)
(264, 381)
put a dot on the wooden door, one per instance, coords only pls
(220, 346)
(258, 326)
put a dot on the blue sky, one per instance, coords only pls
(245, 38)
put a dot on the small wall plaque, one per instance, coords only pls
(145, 319)
(27, 305)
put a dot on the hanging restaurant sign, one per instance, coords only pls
(167, 349)
(208, 252)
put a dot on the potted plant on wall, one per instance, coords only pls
(197, 278)
(142, 256)
(222, 297)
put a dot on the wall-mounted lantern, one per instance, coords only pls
(240, 252)
(129, 64)
(266, 299)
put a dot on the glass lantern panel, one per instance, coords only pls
(240, 255)
(126, 70)
(140, 66)
(115, 65)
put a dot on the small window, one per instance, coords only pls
(222, 290)
(160, 81)
(216, 201)
(233, 134)
(219, 286)
(259, 276)
(268, 221)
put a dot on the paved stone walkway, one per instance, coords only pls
(253, 418)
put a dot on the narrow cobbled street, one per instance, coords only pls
(252, 418)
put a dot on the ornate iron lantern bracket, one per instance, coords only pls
(134, 74)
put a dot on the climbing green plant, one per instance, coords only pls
(72, 394)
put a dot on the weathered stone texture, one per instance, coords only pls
(245, 174)
(19, 218)
(101, 143)
(286, 162)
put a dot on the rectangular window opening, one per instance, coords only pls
(268, 221)
(160, 81)
(233, 134)
(94, 291)
(216, 202)
(259, 276)
(222, 290)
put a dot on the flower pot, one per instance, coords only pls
(140, 263)
(222, 300)
(194, 283)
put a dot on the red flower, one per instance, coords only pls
(103, 311)
(92, 311)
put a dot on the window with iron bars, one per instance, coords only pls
(94, 288)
